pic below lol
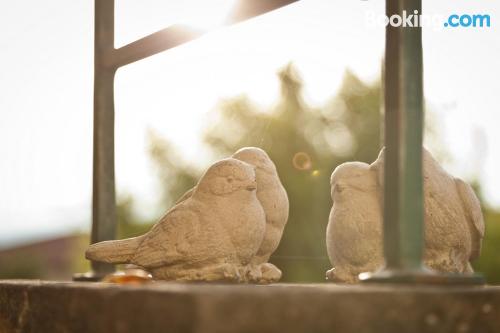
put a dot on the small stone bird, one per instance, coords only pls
(454, 225)
(354, 231)
(212, 235)
(274, 199)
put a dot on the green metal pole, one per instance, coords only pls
(411, 213)
(403, 190)
(392, 135)
(103, 182)
(103, 191)
(403, 222)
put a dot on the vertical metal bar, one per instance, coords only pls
(103, 182)
(403, 203)
(403, 222)
(410, 151)
(103, 191)
(392, 122)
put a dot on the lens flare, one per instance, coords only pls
(302, 161)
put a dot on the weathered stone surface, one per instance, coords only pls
(454, 225)
(35, 306)
(210, 236)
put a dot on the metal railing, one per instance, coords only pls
(403, 105)
(107, 60)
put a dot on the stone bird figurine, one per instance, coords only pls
(209, 236)
(454, 226)
(273, 198)
(354, 231)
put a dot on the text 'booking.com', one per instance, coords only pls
(415, 19)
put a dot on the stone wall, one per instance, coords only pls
(36, 306)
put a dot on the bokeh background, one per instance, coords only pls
(303, 83)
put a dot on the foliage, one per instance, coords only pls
(489, 262)
(175, 177)
(306, 143)
(21, 267)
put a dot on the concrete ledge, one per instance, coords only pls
(37, 306)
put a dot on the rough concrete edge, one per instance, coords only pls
(289, 306)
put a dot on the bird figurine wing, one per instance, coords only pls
(170, 240)
(474, 215)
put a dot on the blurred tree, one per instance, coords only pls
(175, 177)
(22, 267)
(129, 224)
(306, 144)
(489, 261)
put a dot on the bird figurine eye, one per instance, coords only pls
(339, 187)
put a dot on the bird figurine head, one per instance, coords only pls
(256, 157)
(226, 177)
(351, 175)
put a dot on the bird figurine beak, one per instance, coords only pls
(252, 186)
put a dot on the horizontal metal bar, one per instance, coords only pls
(155, 43)
(246, 9)
(179, 34)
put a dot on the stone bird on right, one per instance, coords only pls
(454, 225)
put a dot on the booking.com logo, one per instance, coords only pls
(465, 20)
(414, 19)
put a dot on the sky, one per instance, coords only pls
(46, 78)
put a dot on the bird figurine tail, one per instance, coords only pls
(114, 251)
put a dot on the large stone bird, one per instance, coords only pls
(454, 225)
(210, 236)
(274, 200)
